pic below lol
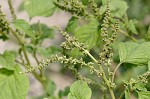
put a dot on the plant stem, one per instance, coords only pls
(122, 94)
(34, 55)
(126, 34)
(36, 59)
(12, 10)
(113, 76)
(103, 74)
(25, 55)
(87, 52)
(28, 65)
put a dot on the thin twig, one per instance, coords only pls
(103, 74)
(12, 10)
(126, 34)
(113, 76)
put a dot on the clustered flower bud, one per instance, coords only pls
(76, 7)
(106, 53)
(72, 6)
(70, 62)
(4, 26)
(71, 41)
(95, 9)
(144, 77)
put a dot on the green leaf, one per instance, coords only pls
(127, 94)
(131, 26)
(134, 72)
(7, 60)
(70, 96)
(24, 26)
(75, 53)
(104, 2)
(47, 52)
(140, 86)
(45, 31)
(72, 24)
(64, 92)
(29, 48)
(13, 85)
(117, 7)
(79, 90)
(50, 88)
(39, 7)
(88, 33)
(85, 2)
(134, 53)
(144, 95)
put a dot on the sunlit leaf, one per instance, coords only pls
(50, 88)
(13, 85)
(79, 90)
(144, 95)
(23, 26)
(47, 52)
(117, 7)
(45, 31)
(64, 92)
(39, 7)
(131, 26)
(140, 86)
(72, 24)
(7, 60)
(134, 53)
(88, 33)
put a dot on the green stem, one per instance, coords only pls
(25, 55)
(87, 52)
(122, 94)
(36, 59)
(103, 74)
(28, 65)
(113, 76)
(12, 10)
(34, 55)
(126, 34)
(108, 83)
(23, 47)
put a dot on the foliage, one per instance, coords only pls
(79, 90)
(102, 47)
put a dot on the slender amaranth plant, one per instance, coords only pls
(108, 32)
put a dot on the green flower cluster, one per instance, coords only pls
(70, 42)
(108, 23)
(144, 77)
(95, 9)
(72, 6)
(4, 26)
(109, 32)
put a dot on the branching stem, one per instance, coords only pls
(103, 74)
(113, 76)
(28, 65)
